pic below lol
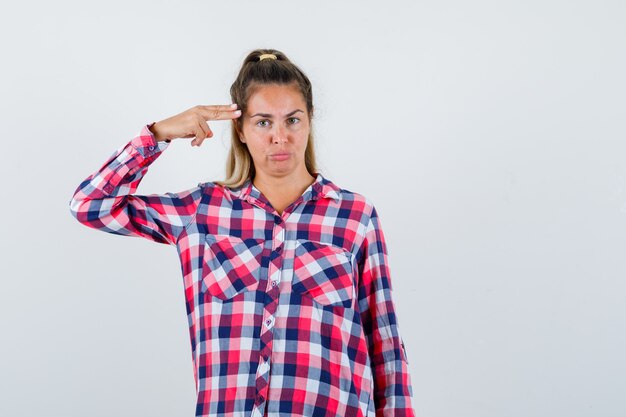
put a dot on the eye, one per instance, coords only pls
(295, 120)
(261, 121)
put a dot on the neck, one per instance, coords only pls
(286, 184)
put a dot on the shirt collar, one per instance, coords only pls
(322, 187)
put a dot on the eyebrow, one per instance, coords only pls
(270, 116)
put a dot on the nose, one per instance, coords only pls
(280, 134)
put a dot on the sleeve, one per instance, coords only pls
(105, 200)
(392, 383)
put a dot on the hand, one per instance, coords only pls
(192, 123)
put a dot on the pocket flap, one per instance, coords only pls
(231, 265)
(323, 272)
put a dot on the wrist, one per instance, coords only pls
(155, 132)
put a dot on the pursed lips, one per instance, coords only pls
(280, 155)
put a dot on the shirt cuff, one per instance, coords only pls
(146, 144)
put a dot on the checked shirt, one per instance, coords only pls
(289, 314)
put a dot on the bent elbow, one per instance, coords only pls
(77, 209)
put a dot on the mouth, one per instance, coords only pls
(280, 156)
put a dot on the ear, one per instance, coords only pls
(239, 133)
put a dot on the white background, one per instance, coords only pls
(489, 135)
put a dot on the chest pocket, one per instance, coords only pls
(323, 272)
(231, 265)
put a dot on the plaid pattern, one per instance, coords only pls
(288, 314)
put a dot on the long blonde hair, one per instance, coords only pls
(254, 73)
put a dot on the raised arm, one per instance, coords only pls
(392, 383)
(106, 201)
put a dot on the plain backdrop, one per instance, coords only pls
(489, 135)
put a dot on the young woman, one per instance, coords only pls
(286, 276)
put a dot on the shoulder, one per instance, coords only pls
(208, 190)
(355, 197)
(355, 201)
(209, 187)
(213, 190)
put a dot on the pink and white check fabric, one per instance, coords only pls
(289, 314)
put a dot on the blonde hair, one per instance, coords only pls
(254, 73)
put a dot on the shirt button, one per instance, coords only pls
(273, 283)
(277, 219)
(151, 148)
(278, 249)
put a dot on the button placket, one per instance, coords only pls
(279, 239)
(280, 236)
(272, 293)
(264, 366)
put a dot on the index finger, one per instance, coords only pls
(220, 112)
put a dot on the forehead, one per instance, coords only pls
(276, 97)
